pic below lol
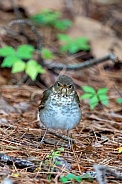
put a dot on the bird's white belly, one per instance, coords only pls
(64, 115)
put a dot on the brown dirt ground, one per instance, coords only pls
(98, 136)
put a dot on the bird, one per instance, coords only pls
(60, 106)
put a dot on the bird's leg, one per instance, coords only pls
(69, 140)
(41, 142)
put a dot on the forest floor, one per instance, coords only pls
(98, 137)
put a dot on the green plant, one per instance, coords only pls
(51, 18)
(55, 153)
(95, 96)
(119, 100)
(73, 45)
(49, 160)
(72, 177)
(47, 54)
(15, 59)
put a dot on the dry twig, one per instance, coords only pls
(102, 171)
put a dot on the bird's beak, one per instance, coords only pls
(64, 91)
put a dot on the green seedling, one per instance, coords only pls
(49, 159)
(15, 59)
(52, 19)
(74, 178)
(55, 153)
(47, 54)
(95, 97)
(72, 45)
(119, 100)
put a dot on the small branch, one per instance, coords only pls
(33, 28)
(103, 172)
(35, 31)
(85, 64)
(19, 163)
(16, 10)
(100, 174)
(52, 65)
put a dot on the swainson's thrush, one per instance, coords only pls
(60, 106)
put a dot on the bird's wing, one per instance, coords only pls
(77, 99)
(45, 96)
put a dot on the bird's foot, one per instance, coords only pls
(69, 144)
(42, 140)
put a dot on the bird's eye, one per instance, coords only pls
(70, 86)
(59, 84)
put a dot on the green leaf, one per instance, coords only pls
(58, 163)
(40, 69)
(93, 105)
(67, 178)
(64, 48)
(50, 17)
(38, 19)
(82, 43)
(60, 149)
(33, 68)
(72, 48)
(25, 51)
(102, 97)
(18, 66)
(64, 179)
(73, 45)
(102, 91)
(47, 54)
(86, 96)
(94, 99)
(46, 17)
(63, 24)
(87, 177)
(70, 176)
(93, 102)
(64, 37)
(119, 100)
(9, 61)
(105, 102)
(7, 51)
(55, 153)
(78, 178)
(82, 40)
(88, 89)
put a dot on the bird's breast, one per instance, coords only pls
(61, 112)
(63, 103)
